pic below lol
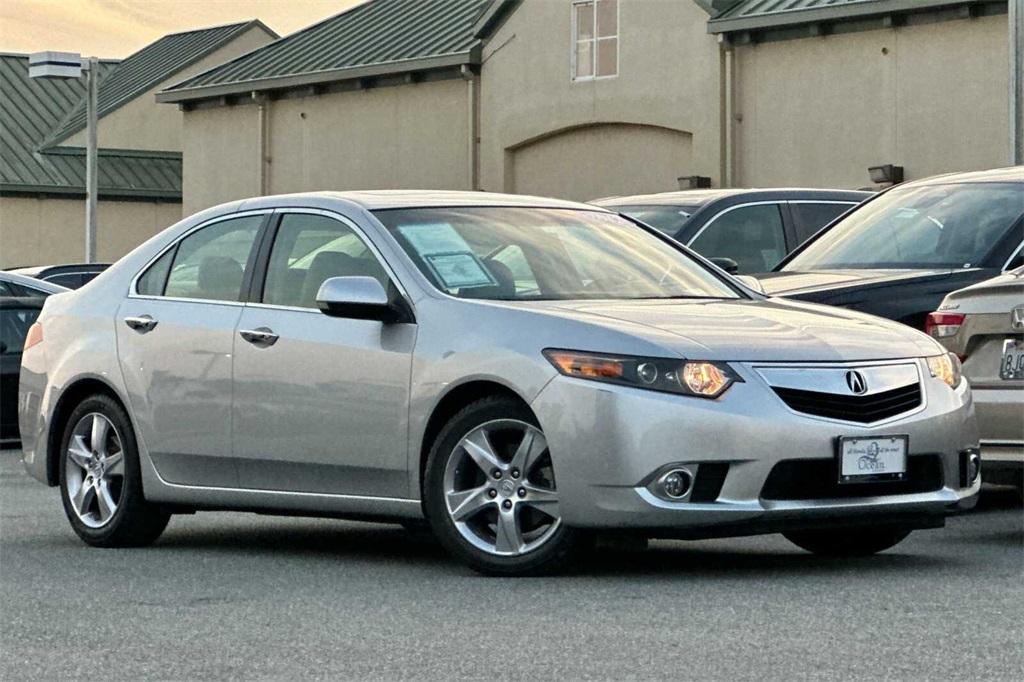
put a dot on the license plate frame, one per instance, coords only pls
(1011, 369)
(846, 446)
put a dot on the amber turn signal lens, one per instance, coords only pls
(704, 378)
(945, 367)
(34, 336)
(586, 366)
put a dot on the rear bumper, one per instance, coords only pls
(1002, 463)
(614, 440)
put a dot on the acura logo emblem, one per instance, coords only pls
(1017, 317)
(857, 383)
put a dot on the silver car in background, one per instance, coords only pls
(522, 372)
(984, 325)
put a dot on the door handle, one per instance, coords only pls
(141, 324)
(261, 336)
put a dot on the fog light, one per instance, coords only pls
(973, 467)
(676, 483)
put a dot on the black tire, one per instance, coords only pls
(135, 522)
(851, 542)
(557, 552)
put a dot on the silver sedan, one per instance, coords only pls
(521, 373)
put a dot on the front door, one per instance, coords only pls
(321, 403)
(175, 342)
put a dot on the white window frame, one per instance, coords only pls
(595, 40)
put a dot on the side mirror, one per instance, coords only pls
(727, 264)
(752, 283)
(360, 298)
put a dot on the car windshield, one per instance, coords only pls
(524, 254)
(931, 226)
(667, 219)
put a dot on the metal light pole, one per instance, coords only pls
(1016, 21)
(92, 80)
(71, 65)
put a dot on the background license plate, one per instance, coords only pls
(1011, 365)
(872, 459)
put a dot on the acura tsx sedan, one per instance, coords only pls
(522, 373)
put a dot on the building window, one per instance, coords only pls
(595, 34)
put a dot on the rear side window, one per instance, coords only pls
(309, 249)
(210, 264)
(14, 324)
(71, 280)
(808, 218)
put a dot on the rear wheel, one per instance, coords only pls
(848, 542)
(100, 480)
(490, 492)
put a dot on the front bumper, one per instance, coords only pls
(608, 441)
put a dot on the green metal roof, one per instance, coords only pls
(378, 37)
(747, 15)
(150, 66)
(29, 110)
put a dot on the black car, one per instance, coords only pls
(898, 254)
(741, 230)
(16, 316)
(71, 275)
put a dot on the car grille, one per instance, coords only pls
(863, 409)
(809, 479)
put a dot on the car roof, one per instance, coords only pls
(1010, 174)
(31, 282)
(372, 200)
(698, 197)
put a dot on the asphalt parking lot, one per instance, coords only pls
(244, 596)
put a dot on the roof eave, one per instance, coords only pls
(832, 13)
(493, 16)
(468, 57)
(108, 194)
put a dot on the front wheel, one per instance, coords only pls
(100, 480)
(851, 542)
(490, 492)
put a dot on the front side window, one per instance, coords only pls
(753, 236)
(929, 226)
(530, 254)
(309, 249)
(210, 263)
(595, 25)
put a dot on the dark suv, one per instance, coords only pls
(741, 230)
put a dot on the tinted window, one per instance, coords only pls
(752, 236)
(512, 254)
(667, 219)
(809, 218)
(152, 281)
(946, 226)
(210, 264)
(14, 324)
(71, 280)
(309, 249)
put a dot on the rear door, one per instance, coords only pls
(14, 323)
(175, 336)
(321, 404)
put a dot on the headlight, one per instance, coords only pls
(945, 367)
(687, 377)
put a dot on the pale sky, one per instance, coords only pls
(117, 28)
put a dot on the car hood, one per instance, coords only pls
(787, 282)
(751, 330)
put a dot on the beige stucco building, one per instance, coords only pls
(42, 164)
(588, 98)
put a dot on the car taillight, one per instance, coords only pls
(941, 325)
(34, 336)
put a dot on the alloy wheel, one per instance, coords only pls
(94, 470)
(500, 488)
